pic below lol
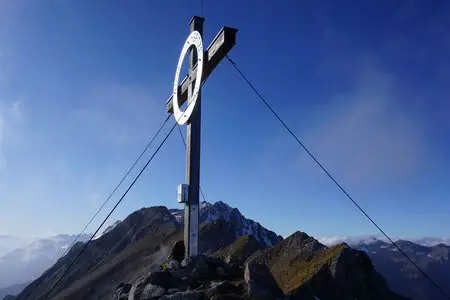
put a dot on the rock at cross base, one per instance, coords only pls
(192, 295)
(150, 291)
(166, 280)
(175, 257)
(260, 282)
(221, 288)
(177, 296)
(178, 251)
(202, 267)
(189, 295)
(172, 264)
(228, 297)
(122, 291)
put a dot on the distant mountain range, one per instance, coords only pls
(33, 257)
(429, 253)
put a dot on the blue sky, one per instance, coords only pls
(365, 85)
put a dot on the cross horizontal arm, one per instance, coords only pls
(216, 51)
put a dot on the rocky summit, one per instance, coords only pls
(240, 260)
(297, 268)
(200, 277)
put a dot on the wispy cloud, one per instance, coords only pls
(350, 240)
(11, 116)
(366, 135)
(116, 113)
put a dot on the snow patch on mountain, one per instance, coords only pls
(111, 227)
(108, 229)
(365, 249)
(220, 210)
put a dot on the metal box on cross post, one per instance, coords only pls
(183, 193)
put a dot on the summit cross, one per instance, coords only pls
(201, 65)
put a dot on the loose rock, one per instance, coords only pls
(151, 291)
(221, 288)
(165, 279)
(260, 282)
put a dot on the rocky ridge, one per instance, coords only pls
(297, 268)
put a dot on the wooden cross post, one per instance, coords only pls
(216, 51)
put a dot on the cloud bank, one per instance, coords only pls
(367, 239)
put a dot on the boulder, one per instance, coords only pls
(196, 267)
(221, 288)
(172, 291)
(177, 296)
(172, 264)
(189, 295)
(151, 291)
(178, 251)
(260, 282)
(228, 297)
(192, 295)
(122, 291)
(203, 267)
(138, 288)
(166, 280)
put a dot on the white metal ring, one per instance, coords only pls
(195, 40)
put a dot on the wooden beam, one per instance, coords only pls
(216, 51)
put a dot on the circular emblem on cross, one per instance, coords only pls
(193, 40)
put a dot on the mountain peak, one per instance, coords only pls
(302, 266)
(220, 210)
(111, 227)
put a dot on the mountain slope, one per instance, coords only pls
(153, 223)
(136, 260)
